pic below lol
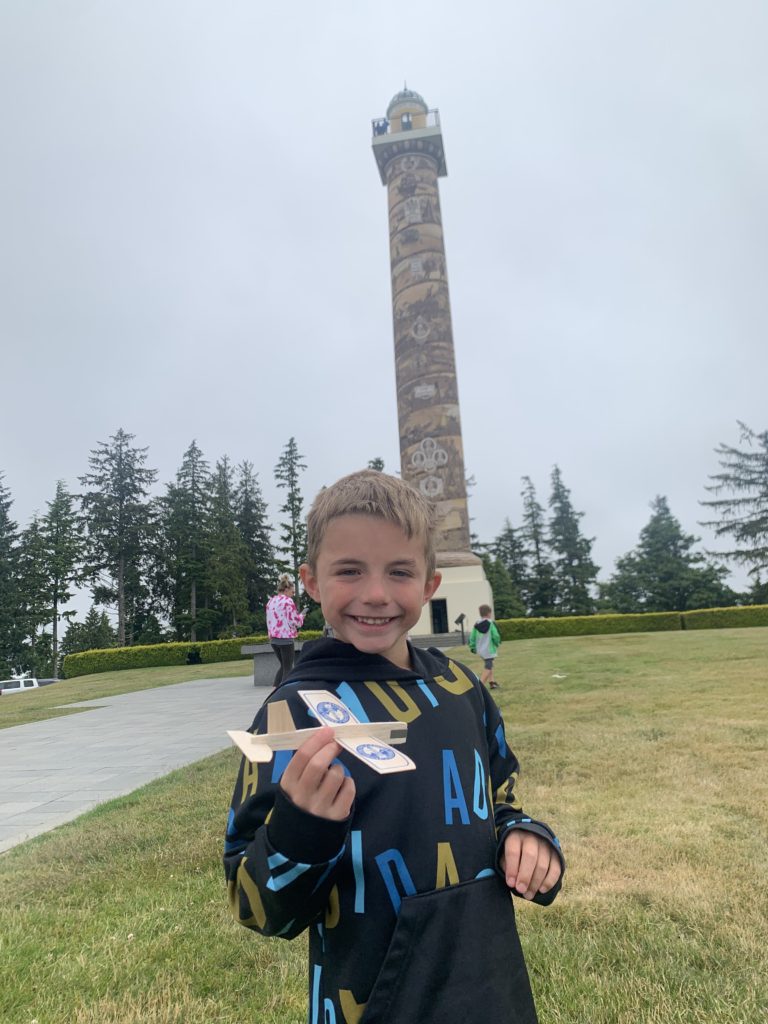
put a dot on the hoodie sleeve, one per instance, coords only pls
(508, 812)
(472, 642)
(279, 860)
(297, 619)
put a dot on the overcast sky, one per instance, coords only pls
(194, 240)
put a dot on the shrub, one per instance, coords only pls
(587, 625)
(724, 618)
(204, 652)
(85, 663)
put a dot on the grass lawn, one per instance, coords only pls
(45, 702)
(647, 753)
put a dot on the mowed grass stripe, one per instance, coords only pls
(647, 752)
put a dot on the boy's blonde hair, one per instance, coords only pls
(372, 493)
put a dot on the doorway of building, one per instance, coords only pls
(439, 609)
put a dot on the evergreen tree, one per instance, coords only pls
(118, 522)
(509, 549)
(539, 585)
(744, 515)
(186, 530)
(33, 609)
(507, 603)
(663, 573)
(377, 463)
(10, 639)
(574, 571)
(293, 529)
(228, 562)
(251, 519)
(63, 551)
(758, 591)
(94, 633)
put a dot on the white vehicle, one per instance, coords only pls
(18, 684)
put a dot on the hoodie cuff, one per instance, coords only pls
(304, 837)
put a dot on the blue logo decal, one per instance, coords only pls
(333, 712)
(374, 752)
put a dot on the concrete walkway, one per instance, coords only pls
(53, 771)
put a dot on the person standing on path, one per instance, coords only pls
(283, 622)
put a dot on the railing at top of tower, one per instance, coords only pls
(404, 123)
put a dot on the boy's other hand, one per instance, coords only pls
(530, 864)
(315, 784)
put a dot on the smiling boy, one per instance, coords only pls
(402, 879)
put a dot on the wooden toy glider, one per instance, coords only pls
(370, 742)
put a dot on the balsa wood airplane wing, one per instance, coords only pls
(369, 742)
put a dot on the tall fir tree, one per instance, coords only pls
(95, 632)
(251, 519)
(33, 609)
(10, 638)
(507, 602)
(757, 593)
(539, 586)
(743, 516)
(63, 554)
(118, 522)
(186, 509)
(228, 561)
(575, 574)
(293, 534)
(663, 573)
(509, 549)
(146, 602)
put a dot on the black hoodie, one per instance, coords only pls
(410, 919)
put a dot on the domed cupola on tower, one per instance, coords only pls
(406, 111)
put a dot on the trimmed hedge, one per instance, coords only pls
(587, 625)
(207, 652)
(725, 618)
(647, 622)
(204, 652)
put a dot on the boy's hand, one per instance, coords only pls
(530, 864)
(313, 783)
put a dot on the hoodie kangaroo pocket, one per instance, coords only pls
(454, 958)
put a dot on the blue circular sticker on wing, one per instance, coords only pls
(374, 752)
(332, 712)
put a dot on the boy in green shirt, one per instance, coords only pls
(484, 641)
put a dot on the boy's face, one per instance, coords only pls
(371, 581)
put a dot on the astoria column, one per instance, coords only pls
(408, 147)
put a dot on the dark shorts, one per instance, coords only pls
(488, 662)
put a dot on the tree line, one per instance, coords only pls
(199, 561)
(543, 566)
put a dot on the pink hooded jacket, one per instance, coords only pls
(283, 618)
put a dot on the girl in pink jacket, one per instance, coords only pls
(283, 621)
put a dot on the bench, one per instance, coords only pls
(265, 662)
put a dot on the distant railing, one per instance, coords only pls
(404, 123)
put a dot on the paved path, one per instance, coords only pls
(53, 771)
